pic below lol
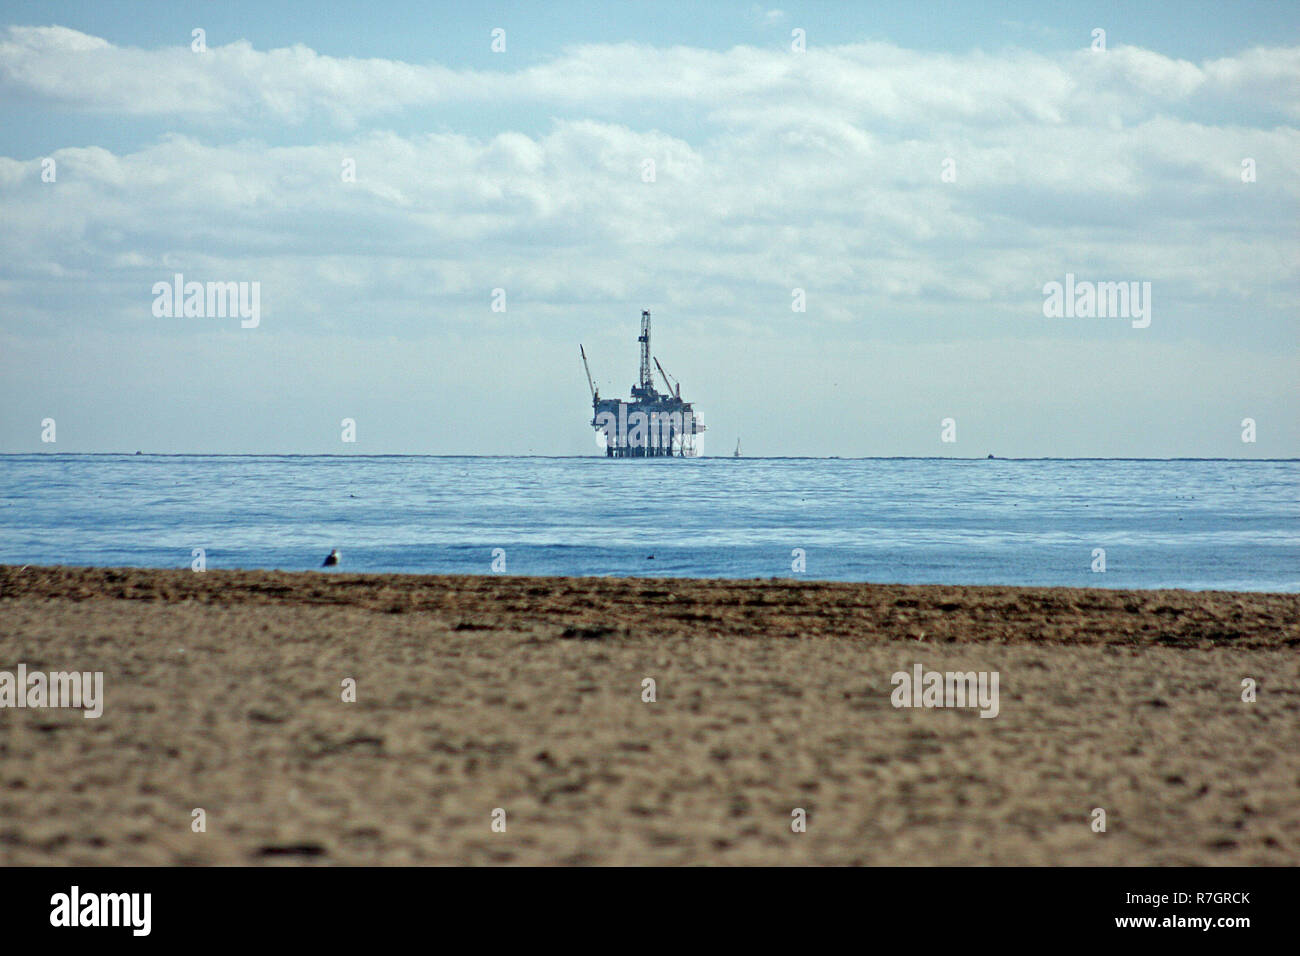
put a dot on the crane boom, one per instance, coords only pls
(672, 389)
(590, 384)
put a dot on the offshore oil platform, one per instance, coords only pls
(653, 424)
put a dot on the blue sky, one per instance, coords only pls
(450, 33)
(775, 170)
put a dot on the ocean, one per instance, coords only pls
(1161, 524)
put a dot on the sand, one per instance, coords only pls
(223, 691)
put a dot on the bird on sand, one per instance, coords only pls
(331, 559)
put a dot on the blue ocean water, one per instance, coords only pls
(1183, 524)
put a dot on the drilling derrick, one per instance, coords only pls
(645, 381)
(653, 424)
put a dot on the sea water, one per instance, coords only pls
(1150, 524)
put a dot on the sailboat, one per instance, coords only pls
(736, 453)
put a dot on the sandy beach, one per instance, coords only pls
(223, 691)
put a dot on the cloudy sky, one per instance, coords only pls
(919, 175)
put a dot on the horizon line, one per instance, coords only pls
(190, 454)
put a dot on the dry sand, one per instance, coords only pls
(223, 692)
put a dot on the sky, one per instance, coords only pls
(845, 219)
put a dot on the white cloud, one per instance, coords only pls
(820, 171)
(239, 84)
